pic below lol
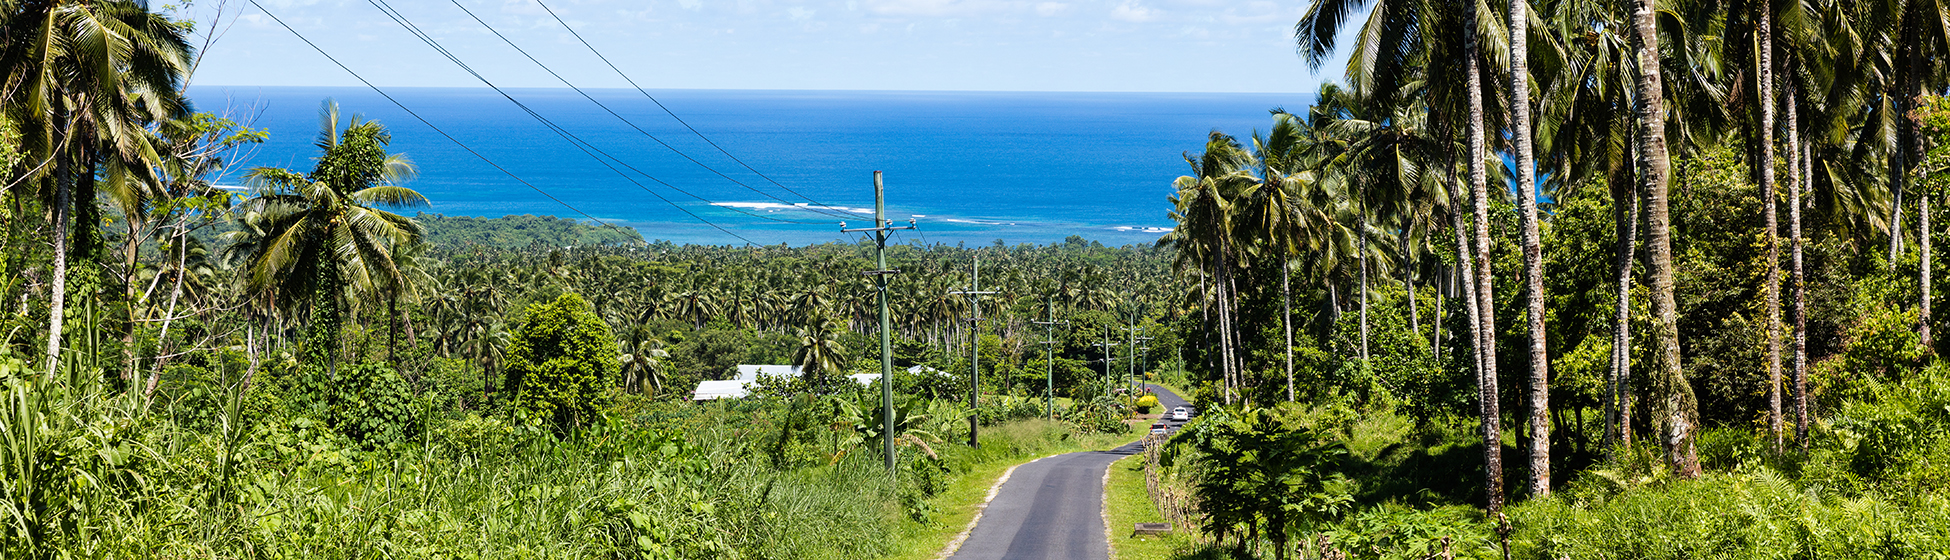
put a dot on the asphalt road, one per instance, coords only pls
(1052, 508)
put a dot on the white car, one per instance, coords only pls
(1180, 415)
(1160, 429)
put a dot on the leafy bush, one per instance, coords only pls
(560, 358)
(374, 406)
(1146, 403)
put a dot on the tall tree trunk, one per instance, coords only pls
(58, 285)
(1800, 298)
(1678, 409)
(1486, 380)
(1625, 208)
(1364, 292)
(1533, 255)
(1923, 271)
(169, 315)
(1408, 284)
(1286, 319)
(1764, 86)
(1913, 149)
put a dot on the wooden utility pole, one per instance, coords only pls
(1049, 357)
(974, 294)
(881, 226)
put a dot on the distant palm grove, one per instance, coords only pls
(1550, 279)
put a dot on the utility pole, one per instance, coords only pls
(974, 293)
(881, 226)
(1107, 345)
(1049, 357)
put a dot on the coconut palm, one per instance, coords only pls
(642, 359)
(1677, 410)
(310, 236)
(819, 356)
(82, 79)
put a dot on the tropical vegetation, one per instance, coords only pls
(1440, 263)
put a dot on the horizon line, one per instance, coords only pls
(863, 90)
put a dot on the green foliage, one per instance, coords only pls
(1266, 475)
(1757, 515)
(513, 232)
(374, 406)
(560, 359)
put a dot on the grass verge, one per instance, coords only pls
(1129, 503)
(1003, 446)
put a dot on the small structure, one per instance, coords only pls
(711, 390)
(1154, 529)
(750, 372)
(750, 377)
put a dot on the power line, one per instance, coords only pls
(633, 125)
(667, 111)
(573, 140)
(423, 120)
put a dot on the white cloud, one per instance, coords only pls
(1132, 12)
(1051, 8)
(799, 13)
(692, 5)
(937, 8)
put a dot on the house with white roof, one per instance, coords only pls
(749, 376)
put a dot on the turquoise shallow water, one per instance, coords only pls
(970, 167)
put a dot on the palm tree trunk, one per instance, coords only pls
(1678, 413)
(1923, 271)
(1913, 149)
(1800, 299)
(1364, 292)
(58, 285)
(1533, 256)
(1286, 320)
(1625, 208)
(1765, 85)
(1486, 381)
(1408, 284)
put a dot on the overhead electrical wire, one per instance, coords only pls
(423, 120)
(667, 111)
(573, 140)
(653, 137)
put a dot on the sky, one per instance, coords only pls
(1243, 46)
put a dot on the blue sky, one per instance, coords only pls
(1007, 45)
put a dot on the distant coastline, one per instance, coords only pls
(972, 167)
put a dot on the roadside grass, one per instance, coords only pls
(1129, 503)
(973, 472)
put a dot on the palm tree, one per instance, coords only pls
(1533, 254)
(309, 236)
(642, 358)
(1677, 410)
(1279, 218)
(83, 77)
(1205, 236)
(820, 355)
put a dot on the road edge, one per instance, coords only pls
(1103, 511)
(954, 545)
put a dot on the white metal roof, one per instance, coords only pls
(750, 372)
(714, 390)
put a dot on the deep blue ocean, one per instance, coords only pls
(969, 167)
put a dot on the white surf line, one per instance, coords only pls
(955, 545)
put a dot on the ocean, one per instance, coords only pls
(968, 167)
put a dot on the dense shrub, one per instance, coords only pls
(561, 357)
(374, 406)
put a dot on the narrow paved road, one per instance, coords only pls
(1052, 508)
